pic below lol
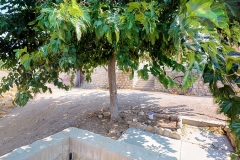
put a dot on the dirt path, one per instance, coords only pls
(50, 113)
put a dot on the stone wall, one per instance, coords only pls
(198, 88)
(123, 80)
(100, 80)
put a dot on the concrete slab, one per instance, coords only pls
(190, 151)
(201, 122)
(83, 145)
(197, 135)
(157, 143)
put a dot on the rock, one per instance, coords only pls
(100, 116)
(2, 102)
(179, 125)
(179, 119)
(133, 124)
(156, 115)
(166, 116)
(10, 98)
(174, 118)
(148, 121)
(134, 119)
(127, 111)
(141, 113)
(167, 132)
(149, 128)
(139, 125)
(144, 127)
(176, 135)
(179, 131)
(160, 131)
(106, 114)
(127, 118)
(155, 129)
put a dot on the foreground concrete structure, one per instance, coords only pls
(83, 145)
(75, 144)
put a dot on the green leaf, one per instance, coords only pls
(208, 10)
(32, 23)
(24, 58)
(109, 36)
(233, 6)
(132, 6)
(191, 58)
(20, 51)
(117, 36)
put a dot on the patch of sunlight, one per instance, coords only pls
(25, 147)
(67, 130)
(47, 139)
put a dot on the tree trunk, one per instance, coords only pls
(113, 88)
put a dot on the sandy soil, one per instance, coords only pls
(50, 113)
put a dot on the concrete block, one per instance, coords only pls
(201, 123)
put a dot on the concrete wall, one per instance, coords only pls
(83, 145)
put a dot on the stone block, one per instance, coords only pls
(160, 131)
(106, 114)
(179, 131)
(141, 113)
(139, 125)
(175, 135)
(156, 115)
(167, 132)
(174, 118)
(149, 128)
(166, 116)
(179, 125)
(144, 127)
(155, 129)
(133, 124)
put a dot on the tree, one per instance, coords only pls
(200, 34)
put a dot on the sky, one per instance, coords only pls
(2, 11)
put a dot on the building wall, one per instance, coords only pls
(198, 88)
(100, 80)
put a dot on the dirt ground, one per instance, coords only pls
(51, 113)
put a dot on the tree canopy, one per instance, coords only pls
(40, 39)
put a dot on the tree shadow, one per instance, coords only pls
(160, 144)
(50, 113)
